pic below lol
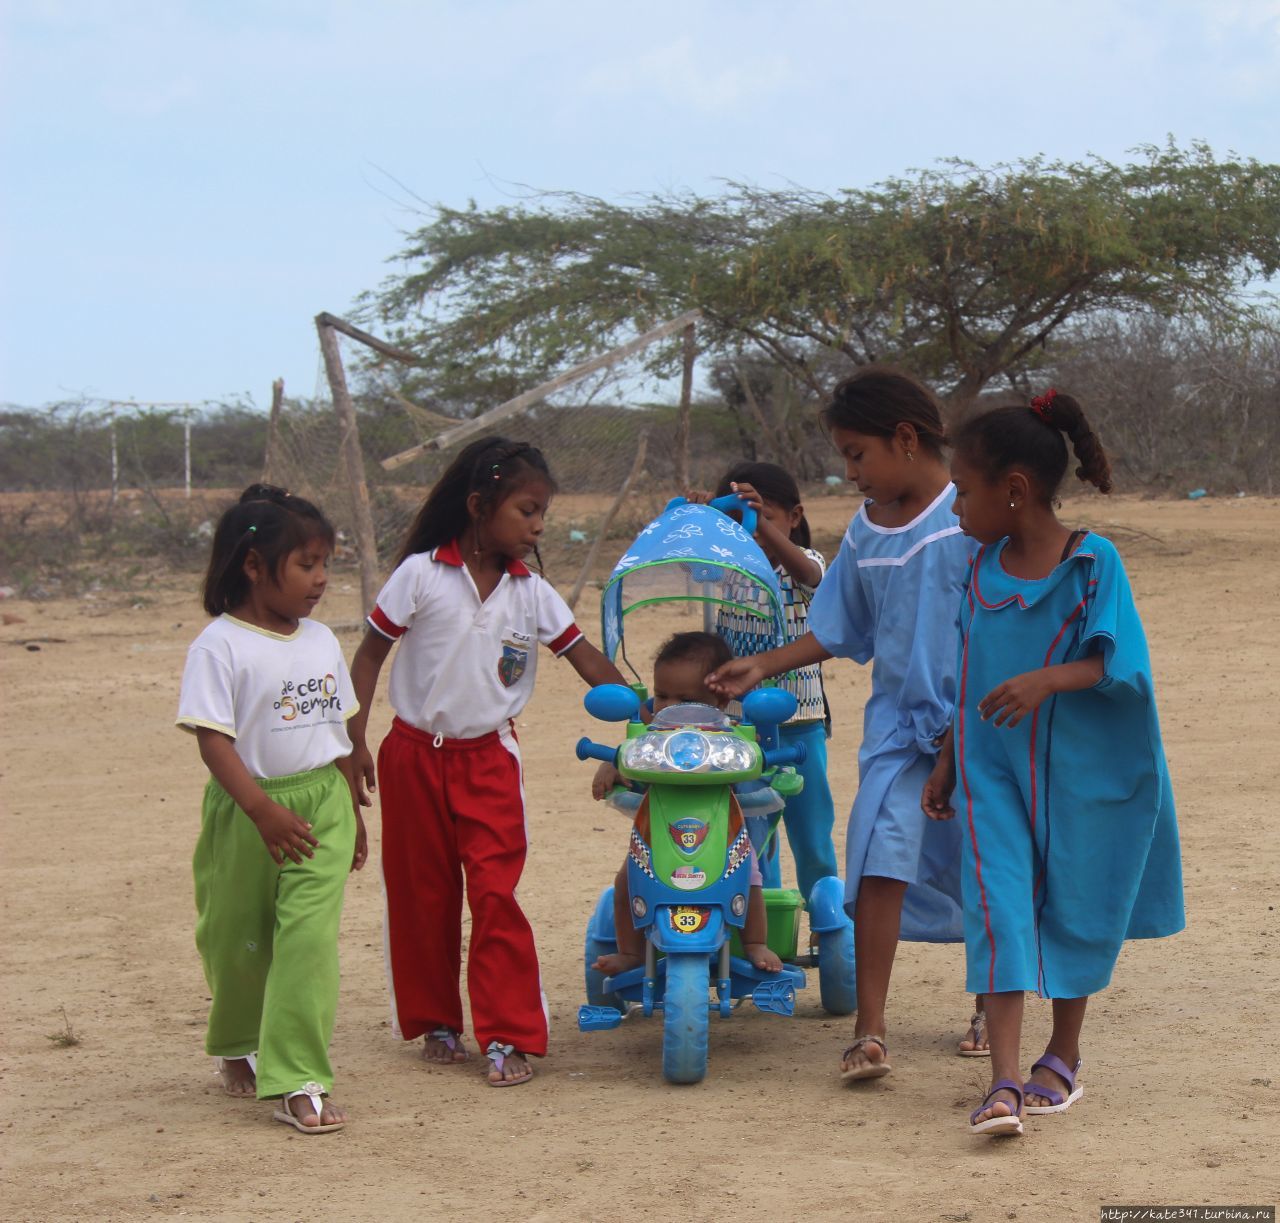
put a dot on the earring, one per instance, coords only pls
(1011, 505)
(911, 458)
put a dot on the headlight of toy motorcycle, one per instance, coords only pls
(688, 751)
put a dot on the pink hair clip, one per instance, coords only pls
(1041, 404)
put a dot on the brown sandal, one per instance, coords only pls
(872, 1070)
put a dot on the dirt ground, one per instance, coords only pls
(100, 810)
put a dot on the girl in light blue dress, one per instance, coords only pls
(1069, 832)
(890, 598)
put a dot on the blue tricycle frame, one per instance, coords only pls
(690, 973)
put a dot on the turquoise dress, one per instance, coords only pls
(892, 595)
(1070, 835)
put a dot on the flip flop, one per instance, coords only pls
(498, 1055)
(872, 1070)
(979, 1025)
(1058, 1103)
(453, 1042)
(316, 1094)
(997, 1126)
(221, 1063)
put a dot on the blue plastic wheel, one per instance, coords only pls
(837, 978)
(684, 1023)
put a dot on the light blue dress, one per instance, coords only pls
(1070, 835)
(892, 595)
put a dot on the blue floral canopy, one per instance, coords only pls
(693, 554)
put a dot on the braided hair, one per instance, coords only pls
(267, 520)
(1031, 437)
(494, 467)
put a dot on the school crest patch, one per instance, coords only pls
(688, 834)
(513, 663)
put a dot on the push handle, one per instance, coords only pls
(796, 754)
(587, 750)
(732, 501)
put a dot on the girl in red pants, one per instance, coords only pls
(469, 615)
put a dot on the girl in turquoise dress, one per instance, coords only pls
(1070, 837)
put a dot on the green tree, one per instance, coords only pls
(961, 273)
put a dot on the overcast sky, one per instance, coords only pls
(184, 185)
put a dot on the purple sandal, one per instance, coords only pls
(1058, 1103)
(996, 1126)
(453, 1042)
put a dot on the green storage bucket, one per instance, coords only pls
(782, 910)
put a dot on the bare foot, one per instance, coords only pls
(444, 1048)
(302, 1108)
(974, 1041)
(762, 957)
(514, 1068)
(237, 1077)
(616, 963)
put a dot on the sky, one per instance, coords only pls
(184, 185)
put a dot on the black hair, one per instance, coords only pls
(1031, 436)
(775, 486)
(705, 648)
(495, 468)
(267, 520)
(877, 399)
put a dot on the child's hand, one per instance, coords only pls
(363, 771)
(605, 779)
(698, 496)
(285, 833)
(737, 676)
(748, 495)
(1015, 698)
(361, 854)
(935, 801)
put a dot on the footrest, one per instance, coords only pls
(598, 1018)
(775, 997)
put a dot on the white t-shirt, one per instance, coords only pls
(284, 700)
(465, 667)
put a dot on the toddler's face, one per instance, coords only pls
(681, 682)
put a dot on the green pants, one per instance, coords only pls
(268, 934)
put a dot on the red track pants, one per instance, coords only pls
(446, 809)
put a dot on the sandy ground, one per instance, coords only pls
(100, 809)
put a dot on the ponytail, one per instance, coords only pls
(1031, 437)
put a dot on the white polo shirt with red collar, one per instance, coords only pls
(465, 667)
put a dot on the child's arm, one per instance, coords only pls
(285, 833)
(794, 559)
(365, 668)
(941, 783)
(605, 779)
(361, 854)
(592, 665)
(740, 675)
(1011, 701)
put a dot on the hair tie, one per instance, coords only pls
(1042, 404)
(495, 472)
(253, 530)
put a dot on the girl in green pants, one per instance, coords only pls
(267, 694)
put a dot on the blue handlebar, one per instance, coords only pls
(586, 750)
(733, 502)
(795, 754)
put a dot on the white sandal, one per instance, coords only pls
(316, 1094)
(221, 1064)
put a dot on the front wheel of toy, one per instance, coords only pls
(837, 978)
(684, 1024)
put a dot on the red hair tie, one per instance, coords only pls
(1041, 404)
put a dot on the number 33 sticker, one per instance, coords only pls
(688, 919)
